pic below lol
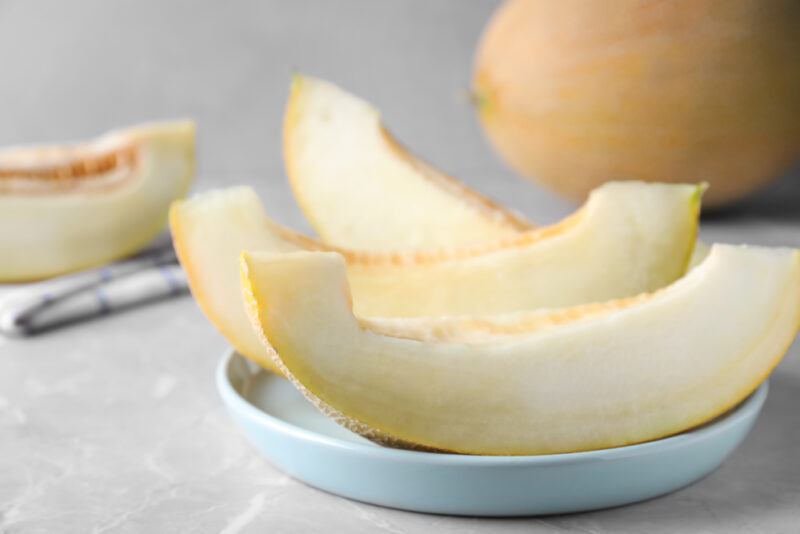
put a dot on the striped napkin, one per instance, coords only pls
(149, 276)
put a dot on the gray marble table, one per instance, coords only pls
(115, 425)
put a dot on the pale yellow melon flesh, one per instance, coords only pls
(699, 254)
(64, 208)
(209, 232)
(628, 239)
(603, 377)
(361, 189)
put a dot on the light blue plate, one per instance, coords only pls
(296, 438)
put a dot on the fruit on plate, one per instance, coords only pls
(361, 189)
(629, 238)
(209, 232)
(573, 93)
(68, 207)
(587, 378)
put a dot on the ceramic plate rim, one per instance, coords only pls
(232, 398)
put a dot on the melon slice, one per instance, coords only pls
(629, 238)
(361, 189)
(209, 231)
(64, 208)
(590, 378)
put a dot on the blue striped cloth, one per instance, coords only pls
(151, 275)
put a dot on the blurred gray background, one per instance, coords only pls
(71, 70)
(114, 425)
(74, 69)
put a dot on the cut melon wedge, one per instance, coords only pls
(629, 238)
(361, 189)
(64, 208)
(209, 231)
(603, 376)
